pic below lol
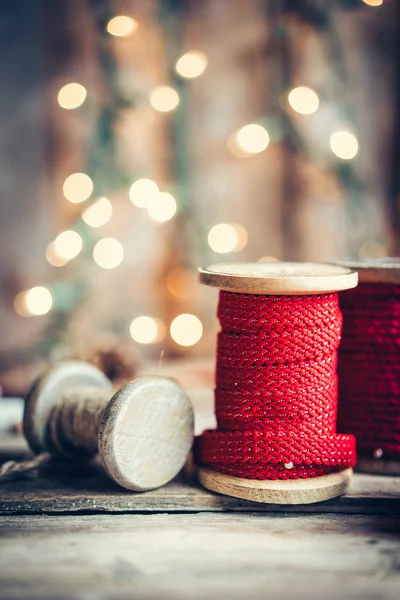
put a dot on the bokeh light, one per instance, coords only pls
(147, 330)
(141, 191)
(77, 187)
(303, 100)
(108, 253)
(186, 330)
(181, 282)
(344, 144)
(372, 249)
(192, 64)
(162, 206)
(242, 236)
(122, 26)
(99, 213)
(252, 138)
(164, 98)
(373, 2)
(71, 95)
(223, 238)
(53, 258)
(34, 302)
(68, 244)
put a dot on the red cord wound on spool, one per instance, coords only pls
(276, 392)
(369, 369)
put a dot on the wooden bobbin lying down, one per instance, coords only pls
(142, 433)
(277, 281)
(374, 274)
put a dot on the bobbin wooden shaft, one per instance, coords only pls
(74, 424)
(143, 432)
(277, 279)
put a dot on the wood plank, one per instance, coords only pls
(66, 487)
(200, 556)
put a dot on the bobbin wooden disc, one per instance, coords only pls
(378, 466)
(375, 270)
(290, 491)
(48, 391)
(146, 433)
(278, 278)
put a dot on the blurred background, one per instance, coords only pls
(143, 138)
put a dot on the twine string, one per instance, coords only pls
(74, 424)
(276, 389)
(369, 369)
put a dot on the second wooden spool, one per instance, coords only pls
(376, 271)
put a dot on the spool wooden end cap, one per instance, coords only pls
(146, 433)
(290, 491)
(278, 278)
(47, 393)
(375, 270)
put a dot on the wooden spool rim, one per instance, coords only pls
(278, 278)
(290, 491)
(48, 391)
(146, 433)
(378, 466)
(375, 270)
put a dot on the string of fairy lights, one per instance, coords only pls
(161, 206)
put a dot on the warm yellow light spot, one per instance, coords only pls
(252, 138)
(147, 330)
(242, 236)
(373, 2)
(372, 249)
(99, 213)
(186, 330)
(192, 64)
(71, 96)
(268, 259)
(162, 206)
(68, 244)
(121, 26)
(77, 187)
(181, 282)
(20, 305)
(344, 144)
(108, 253)
(53, 258)
(34, 302)
(223, 238)
(303, 100)
(164, 98)
(141, 191)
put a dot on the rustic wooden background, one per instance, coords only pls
(295, 200)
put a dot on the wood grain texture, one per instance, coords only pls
(278, 277)
(64, 487)
(146, 433)
(291, 491)
(200, 556)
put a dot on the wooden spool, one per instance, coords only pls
(143, 432)
(376, 270)
(276, 278)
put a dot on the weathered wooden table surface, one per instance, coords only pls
(69, 532)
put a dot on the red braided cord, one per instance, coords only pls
(369, 369)
(276, 393)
